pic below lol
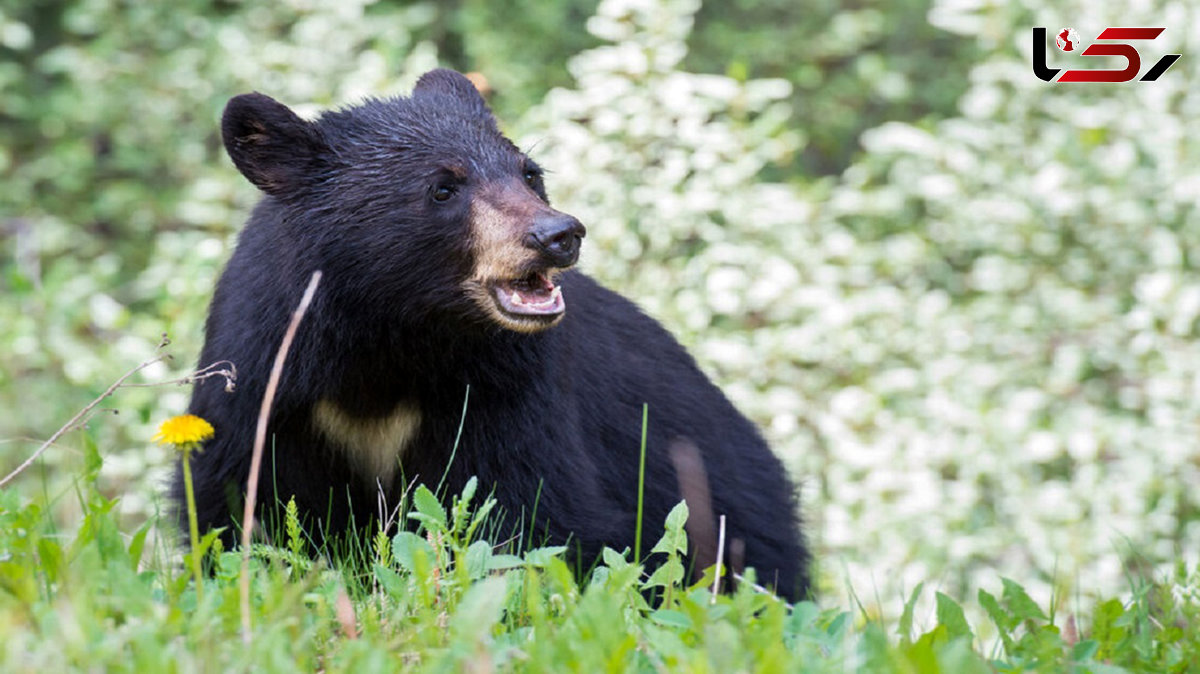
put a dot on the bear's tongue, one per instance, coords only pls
(534, 294)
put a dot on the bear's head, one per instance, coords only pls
(417, 206)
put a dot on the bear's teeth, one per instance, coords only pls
(555, 294)
(516, 299)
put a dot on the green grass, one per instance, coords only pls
(99, 598)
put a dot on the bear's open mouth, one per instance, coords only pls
(534, 295)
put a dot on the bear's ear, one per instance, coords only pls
(270, 144)
(453, 84)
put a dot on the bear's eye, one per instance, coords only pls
(531, 178)
(443, 192)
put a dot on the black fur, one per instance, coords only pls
(553, 416)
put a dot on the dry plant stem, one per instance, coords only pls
(720, 554)
(80, 417)
(229, 372)
(230, 375)
(758, 588)
(345, 614)
(260, 440)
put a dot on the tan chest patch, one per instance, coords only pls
(374, 445)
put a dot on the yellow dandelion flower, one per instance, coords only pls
(186, 429)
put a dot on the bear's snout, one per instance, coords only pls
(557, 236)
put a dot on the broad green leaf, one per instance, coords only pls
(480, 608)
(479, 557)
(677, 518)
(406, 545)
(669, 574)
(674, 539)
(1003, 620)
(501, 562)
(804, 616)
(670, 618)
(50, 556)
(1084, 650)
(1019, 603)
(429, 509)
(950, 614)
(540, 557)
(613, 559)
(906, 617)
(138, 543)
(391, 582)
(468, 491)
(1107, 624)
(480, 515)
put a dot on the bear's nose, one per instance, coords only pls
(557, 236)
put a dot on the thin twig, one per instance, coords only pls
(758, 588)
(229, 372)
(389, 518)
(260, 440)
(720, 555)
(81, 417)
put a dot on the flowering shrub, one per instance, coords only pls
(978, 349)
(1034, 404)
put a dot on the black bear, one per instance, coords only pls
(440, 345)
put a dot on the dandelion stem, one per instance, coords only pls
(193, 525)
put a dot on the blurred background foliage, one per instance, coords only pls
(962, 303)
